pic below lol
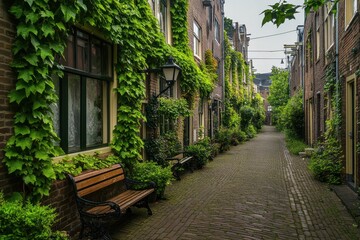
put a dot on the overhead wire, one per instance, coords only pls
(272, 35)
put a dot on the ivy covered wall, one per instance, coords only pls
(41, 33)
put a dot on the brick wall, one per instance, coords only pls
(199, 13)
(349, 63)
(8, 183)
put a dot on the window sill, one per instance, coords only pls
(102, 150)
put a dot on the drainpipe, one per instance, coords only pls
(337, 65)
(223, 55)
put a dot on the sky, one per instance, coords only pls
(248, 12)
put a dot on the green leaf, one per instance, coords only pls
(21, 130)
(29, 179)
(41, 155)
(48, 30)
(37, 135)
(17, 11)
(30, 2)
(45, 52)
(49, 172)
(57, 47)
(69, 13)
(40, 103)
(61, 26)
(24, 143)
(47, 14)
(14, 165)
(16, 96)
(11, 154)
(26, 74)
(24, 30)
(34, 42)
(32, 59)
(32, 17)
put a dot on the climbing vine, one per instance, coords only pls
(235, 94)
(29, 151)
(41, 33)
(194, 80)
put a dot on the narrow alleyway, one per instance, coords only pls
(256, 190)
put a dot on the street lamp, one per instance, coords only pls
(171, 72)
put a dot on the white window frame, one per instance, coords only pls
(350, 11)
(318, 42)
(217, 31)
(329, 25)
(197, 39)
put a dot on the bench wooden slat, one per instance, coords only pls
(100, 185)
(124, 200)
(88, 182)
(97, 172)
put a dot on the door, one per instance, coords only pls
(351, 162)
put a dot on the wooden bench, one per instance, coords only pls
(95, 214)
(180, 160)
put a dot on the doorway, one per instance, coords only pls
(351, 161)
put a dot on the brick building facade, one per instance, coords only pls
(211, 36)
(348, 74)
(332, 40)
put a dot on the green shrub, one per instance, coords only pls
(164, 146)
(223, 137)
(215, 149)
(238, 136)
(247, 114)
(201, 151)
(250, 131)
(292, 116)
(83, 162)
(294, 145)
(23, 221)
(326, 169)
(326, 161)
(150, 171)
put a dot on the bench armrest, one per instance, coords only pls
(138, 185)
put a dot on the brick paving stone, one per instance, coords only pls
(257, 190)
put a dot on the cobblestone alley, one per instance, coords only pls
(257, 190)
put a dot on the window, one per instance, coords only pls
(197, 42)
(329, 25)
(317, 26)
(82, 113)
(166, 124)
(217, 31)
(163, 17)
(201, 118)
(350, 10)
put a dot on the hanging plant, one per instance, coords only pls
(173, 108)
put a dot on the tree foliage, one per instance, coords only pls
(279, 12)
(279, 91)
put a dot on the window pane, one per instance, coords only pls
(163, 17)
(74, 112)
(68, 59)
(106, 61)
(94, 112)
(82, 51)
(96, 57)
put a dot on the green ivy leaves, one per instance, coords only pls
(40, 36)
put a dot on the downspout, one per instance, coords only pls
(337, 66)
(223, 55)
